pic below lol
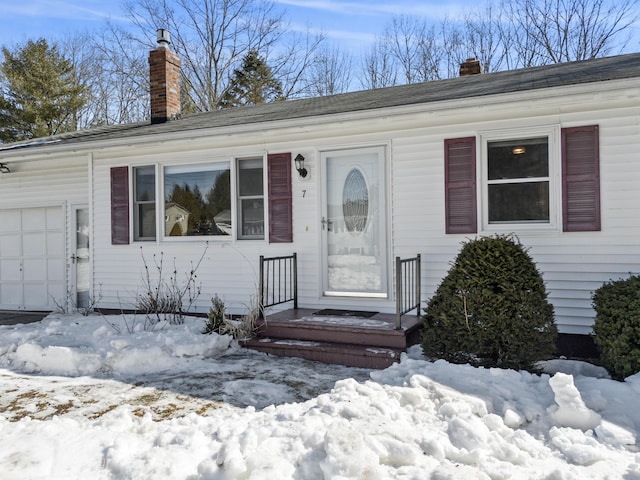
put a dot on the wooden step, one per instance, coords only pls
(334, 334)
(327, 352)
(357, 341)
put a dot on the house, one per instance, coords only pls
(547, 153)
(176, 220)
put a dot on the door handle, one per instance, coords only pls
(326, 223)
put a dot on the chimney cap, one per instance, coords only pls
(163, 37)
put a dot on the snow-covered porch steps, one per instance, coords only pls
(369, 342)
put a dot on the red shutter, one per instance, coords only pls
(120, 206)
(580, 179)
(460, 185)
(280, 211)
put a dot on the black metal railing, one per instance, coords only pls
(278, 280)
(407, 287)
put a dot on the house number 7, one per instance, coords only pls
(304, 192)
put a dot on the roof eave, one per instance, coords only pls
(58, 146)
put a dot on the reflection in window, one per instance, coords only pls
(355, 202)
(197, 200)
(518, 181)
(144, 210)
(250, 198)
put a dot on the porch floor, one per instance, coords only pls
(344, 338)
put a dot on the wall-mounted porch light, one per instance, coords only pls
(300, 166)
(4, 168)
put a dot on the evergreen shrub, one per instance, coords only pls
(617, 326)
(491, 309)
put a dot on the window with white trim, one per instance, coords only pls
(197, 200)
(217, 200)
(538, 178)
(518, 180)
(144, 203)
(250, 198)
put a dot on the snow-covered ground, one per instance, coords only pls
(99, 398)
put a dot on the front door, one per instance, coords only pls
(354, 223)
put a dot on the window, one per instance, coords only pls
(528, 180)
(144, 203)
(518, 181)
(250, 198)
(197, 200)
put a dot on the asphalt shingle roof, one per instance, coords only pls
(561, 74)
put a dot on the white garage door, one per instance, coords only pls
(32, 258)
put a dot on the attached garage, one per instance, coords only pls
(32, 258)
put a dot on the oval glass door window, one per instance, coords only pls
(355, 202)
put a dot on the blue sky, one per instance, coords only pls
(352, 24)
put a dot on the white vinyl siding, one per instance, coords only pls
(573, 264)
(36, 201)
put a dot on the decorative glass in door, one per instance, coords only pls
(354, 223)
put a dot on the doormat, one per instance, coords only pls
(345, 313)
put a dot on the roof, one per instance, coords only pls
(512, 81)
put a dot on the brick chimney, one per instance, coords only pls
(164, 77)
(471, 66)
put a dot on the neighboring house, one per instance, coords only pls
(547, 153)
(176, 220)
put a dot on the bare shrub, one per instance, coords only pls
(165, 297)
(222, 324)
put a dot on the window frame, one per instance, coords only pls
(552, 133)
(136, 204)
(239, 198)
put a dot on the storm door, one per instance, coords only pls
(81, 273)
(354, 223)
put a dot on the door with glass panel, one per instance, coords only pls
(354, 223)
(81, 271)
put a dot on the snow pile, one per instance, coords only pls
(119, 344)
(571, 410)
(414, 420)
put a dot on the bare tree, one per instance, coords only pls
(413, 46)
(454, 46)
(115, 72)
(329, 73)
(292, 61)
(408, 50)
(511, 34)
(124, 87)
(87, 72)
(485, 38)
(430, 56)
(379, 67)
(213, 36)
(552, 31)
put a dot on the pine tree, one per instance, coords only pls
(253, 84)
(39, 93)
